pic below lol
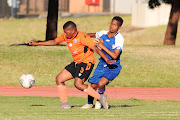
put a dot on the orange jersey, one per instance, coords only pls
(79, 46)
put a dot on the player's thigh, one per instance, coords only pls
(63, 76)
(96, 76)
(79, 84)
(111, 74)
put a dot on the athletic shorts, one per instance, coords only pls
(80, 70)
(109, 72)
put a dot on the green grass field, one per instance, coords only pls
(146, 63)
(47, 108)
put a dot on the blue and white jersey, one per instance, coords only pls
(114, 43)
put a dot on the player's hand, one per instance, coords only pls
(110, 62)
(32, 42)
(99, 43)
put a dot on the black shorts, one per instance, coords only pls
(80, 70)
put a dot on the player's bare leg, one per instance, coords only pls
(90, 105)
(101, 88)
(63, 76)
(79, 84)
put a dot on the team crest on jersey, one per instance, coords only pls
(75, 41)
(70, 44)
(107, 40)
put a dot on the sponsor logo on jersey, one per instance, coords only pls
(107, 40)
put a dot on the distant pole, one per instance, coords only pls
(27, 10)
(14, 8)
(35, 6)
(61, 8)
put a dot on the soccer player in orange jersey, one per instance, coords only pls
(81, 46)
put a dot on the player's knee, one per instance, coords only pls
(100, 85)
(78, 86)
(58, 80)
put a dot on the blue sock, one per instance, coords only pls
(89, 103)
(101, 92)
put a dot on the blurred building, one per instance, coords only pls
(142, 16)
(39, 7)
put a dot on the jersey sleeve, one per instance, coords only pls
(119, 42)
(60, 38)
(100, 33)
(87, 41)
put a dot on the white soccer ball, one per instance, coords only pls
(27, 80)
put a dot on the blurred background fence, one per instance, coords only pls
(27, 8)
(142, 16)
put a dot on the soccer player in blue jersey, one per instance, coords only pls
(111, 43)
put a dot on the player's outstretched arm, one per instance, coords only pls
(92, 35)
(98, 51)
(45, 43)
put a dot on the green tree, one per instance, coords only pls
(171, 32)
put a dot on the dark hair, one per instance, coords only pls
(69, 24)
(118, 19)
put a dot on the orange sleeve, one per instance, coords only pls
(87, 41)
(60, 38)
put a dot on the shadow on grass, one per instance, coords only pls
(37, 105)
(24, 44)
(119, 106)
(112, 106)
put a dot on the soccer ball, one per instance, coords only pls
(27, 80)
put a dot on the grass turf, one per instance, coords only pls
(143, 66)
(47, 108)
(146, 62)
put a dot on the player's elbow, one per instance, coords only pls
(114, 57)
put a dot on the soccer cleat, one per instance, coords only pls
(65, 105)
(87, 106)
(98, 105)
(103, 101)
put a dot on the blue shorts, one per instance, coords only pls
(109, 72)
